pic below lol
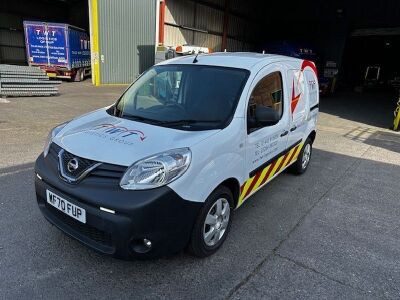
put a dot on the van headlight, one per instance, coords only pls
(56, 130)
(157, 170)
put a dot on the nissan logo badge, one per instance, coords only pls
(73, 165)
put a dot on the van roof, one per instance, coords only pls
(243, 60)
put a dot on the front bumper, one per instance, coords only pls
(158, 215)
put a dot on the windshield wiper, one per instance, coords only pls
(174, 122)
(188, 122)
(140, 118)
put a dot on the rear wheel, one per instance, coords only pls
(79, 75)
(213, 223)
(301, 165)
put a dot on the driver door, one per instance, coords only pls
(265, 143)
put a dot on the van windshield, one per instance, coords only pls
(187, 97)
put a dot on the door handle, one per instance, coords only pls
(293, 128)
(284, 133)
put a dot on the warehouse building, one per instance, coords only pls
(354, 43)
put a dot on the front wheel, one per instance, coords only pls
(212, 224)
(303, 160)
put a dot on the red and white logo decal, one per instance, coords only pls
(119, 131)
(296, 98)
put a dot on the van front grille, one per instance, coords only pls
(103, 171)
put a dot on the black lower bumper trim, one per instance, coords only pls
(159, 215)
(98, 236)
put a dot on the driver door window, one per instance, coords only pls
(268, 93)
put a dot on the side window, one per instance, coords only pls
(268, 93)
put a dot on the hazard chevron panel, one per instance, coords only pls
(266, 173)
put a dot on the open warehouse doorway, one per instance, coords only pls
(371, 73)
(14, 13)
(51, 35)
(344, 38)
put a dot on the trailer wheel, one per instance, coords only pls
(82, 74)
(79, 75)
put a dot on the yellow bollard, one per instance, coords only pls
(396, 122)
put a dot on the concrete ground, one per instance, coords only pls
(333, 233)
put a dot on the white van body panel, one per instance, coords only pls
(220, 167)
(214, 160)
(101, 137)
(217, 155)
(221, 163)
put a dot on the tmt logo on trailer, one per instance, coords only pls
(45, 32)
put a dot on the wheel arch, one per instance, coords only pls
(312, 136)
(233, 185)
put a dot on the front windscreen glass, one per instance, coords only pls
(187, 97)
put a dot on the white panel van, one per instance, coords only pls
(187, 143)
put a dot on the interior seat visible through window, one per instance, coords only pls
(268, 93)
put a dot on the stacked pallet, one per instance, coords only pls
(19, 81)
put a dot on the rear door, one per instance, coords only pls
(57, 44)
(36, 47)
(46, 44)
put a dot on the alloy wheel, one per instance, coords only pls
(216, 222)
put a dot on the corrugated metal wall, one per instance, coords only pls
(127, 39)
(12, 44)
(201, 24)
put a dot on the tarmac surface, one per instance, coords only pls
(332, 233)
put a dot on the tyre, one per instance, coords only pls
(212, 224)
(79, 75)
(301, 165)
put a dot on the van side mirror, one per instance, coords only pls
(266, 116)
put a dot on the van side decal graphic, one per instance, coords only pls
(295, 99)
(307, 63)
(267, 173)
(120, 131)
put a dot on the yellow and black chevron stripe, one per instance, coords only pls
(268, 171)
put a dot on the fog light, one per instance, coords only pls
(141, 245)
(147, 243)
